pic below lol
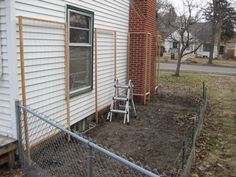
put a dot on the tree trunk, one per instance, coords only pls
(210, 61)
(178, 65)
(219, 26)
(211, 54)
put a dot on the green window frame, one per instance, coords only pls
(80, 30)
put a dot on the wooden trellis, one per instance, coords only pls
(101, 30)
(23, 80)
(147, 65)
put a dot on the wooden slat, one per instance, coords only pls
(145, 70)
(150, 65)
(96, 79)
(67, 71)
(128, 59)
(43, 20)
(115, 55)
(8, 148)
(101, 30)
(25, 119)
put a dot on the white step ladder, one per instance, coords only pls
(117, 100)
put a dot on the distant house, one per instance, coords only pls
(70, 90)
(200, 33)
(230, 48)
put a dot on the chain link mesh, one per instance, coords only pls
(52, 154)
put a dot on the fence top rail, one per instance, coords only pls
(91, 144)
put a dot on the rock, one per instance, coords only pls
(194, 175)
(201, 168)
(219, 165)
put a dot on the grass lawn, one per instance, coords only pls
(203, 61)
(217, 147)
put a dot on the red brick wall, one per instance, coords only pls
(142, 19)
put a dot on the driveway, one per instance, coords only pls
(197, 68)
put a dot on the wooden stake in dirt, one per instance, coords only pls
(145, 70)
(147, 65)
(101, 30)
(150, 64)
(128, 58)
(96, 78)
(67, 71)
(22, 68)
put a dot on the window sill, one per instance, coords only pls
(80, 92)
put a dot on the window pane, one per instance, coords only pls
(80, 61)
(78, 20)
(79, 36)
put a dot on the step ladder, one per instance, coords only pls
(121, 103)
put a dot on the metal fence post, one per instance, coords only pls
(90, 163)
(183, 155)
(19, 134)
(203, 89)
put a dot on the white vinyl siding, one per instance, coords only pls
(45, 70)
(5, 113)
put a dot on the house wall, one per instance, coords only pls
(201, 53)
(45, 74)
(5, 113)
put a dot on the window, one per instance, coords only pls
(222, 49)
(80, 24)
(175, 45)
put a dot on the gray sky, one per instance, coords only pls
(178, 3)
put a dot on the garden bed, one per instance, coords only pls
(155, 137)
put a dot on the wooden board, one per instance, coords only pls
(4, 141)
(8, 147)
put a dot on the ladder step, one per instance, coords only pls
(118, 111)
(122, 86)
(120, 98)
(123, 106)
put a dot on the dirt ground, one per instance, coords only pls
(16, 172)
(216, 152)
(155, 137)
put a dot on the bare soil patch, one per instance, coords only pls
(155, 137)
(16, 172)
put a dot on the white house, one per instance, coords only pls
(34, 48)
(44, 56)
(199, 33)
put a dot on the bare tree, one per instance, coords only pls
(165, 14)
(187, 18)
(223, 20)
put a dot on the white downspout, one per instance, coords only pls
(12, 60)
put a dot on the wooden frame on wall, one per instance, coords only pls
(23, 84)
(147, 67)
(96, 31)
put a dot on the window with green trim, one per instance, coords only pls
(80, 27)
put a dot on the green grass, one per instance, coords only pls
(203, 61)
(221, 122)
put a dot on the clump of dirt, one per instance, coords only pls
(155, 137)
(16, 172)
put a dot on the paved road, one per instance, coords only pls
(198, 68)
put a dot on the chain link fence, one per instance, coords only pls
(53, 150)
(186, 157)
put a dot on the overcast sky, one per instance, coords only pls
(178, 3)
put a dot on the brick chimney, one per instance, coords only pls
(142, 48)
